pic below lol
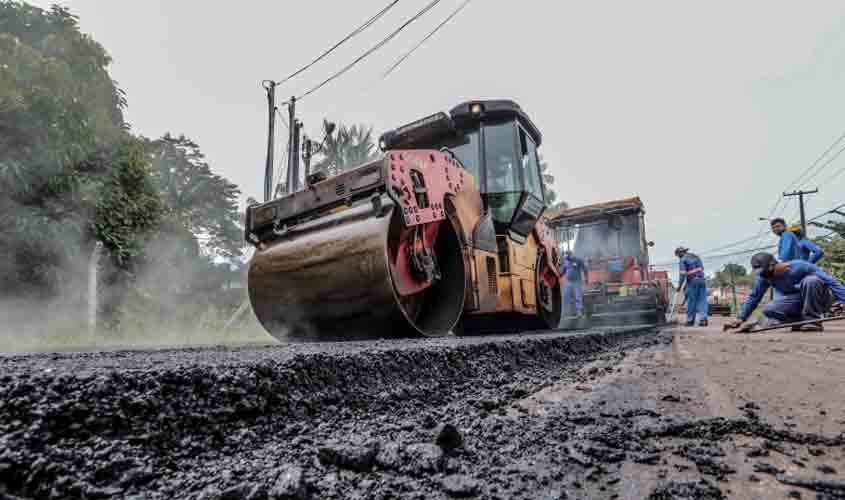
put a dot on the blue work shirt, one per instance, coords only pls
(788, 284)
(788, 247)
(809, 251)
(573, 268)
(689, 262)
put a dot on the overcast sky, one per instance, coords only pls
(706, 110)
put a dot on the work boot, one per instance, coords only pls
(689, 323)
(703, 323)
(816, 327)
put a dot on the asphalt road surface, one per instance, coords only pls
(636, 413)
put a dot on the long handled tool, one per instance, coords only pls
(673, 310)
(790, 325)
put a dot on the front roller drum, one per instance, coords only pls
(337, 281)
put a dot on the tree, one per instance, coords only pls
(834, 248)
(345, 148)
(199, 205)
(57, 101)
(69, 172)
(722, 278)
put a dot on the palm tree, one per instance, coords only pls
(345, 148)
(548, 180)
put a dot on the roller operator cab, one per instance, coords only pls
(443, 234)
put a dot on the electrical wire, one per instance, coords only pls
(371, 50)
(282, 118)
(419, 44)
(838, 172)
(709, 258)
(801, 179)
(345, 39)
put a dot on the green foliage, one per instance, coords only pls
(128, 205)
(834, 248)
(108, 197)
(722, 278)
(200, 205)
(71, 175)
(57, 101)
(58, 108)
(345, 148)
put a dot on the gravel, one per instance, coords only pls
(442, 419)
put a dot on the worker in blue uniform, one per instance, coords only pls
(787, 246)
(691, 271)
(573, 268)
(805, 292)
(787, 242)
(807, 250)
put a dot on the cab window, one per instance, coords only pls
(529, 165)
(503, 184)
(466, 150)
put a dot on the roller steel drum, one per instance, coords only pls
(330, 279)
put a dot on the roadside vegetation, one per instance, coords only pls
(74, 177)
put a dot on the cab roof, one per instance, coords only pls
(596, 211)
(463, 116)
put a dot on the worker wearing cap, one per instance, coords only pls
(807, 250)
(804, 292)
(691, 271)
(573, 268)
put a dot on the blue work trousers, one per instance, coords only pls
(570, 289)
(810, 303)
(696, 295)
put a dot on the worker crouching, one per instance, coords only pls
(804, 288)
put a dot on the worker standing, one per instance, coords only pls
(787, 243)
(691, 271)
(807, 250)
(573, 268)
(804, 287)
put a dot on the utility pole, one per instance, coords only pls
(733, 286)
(800, 195)
(306, 156)
(270, 87)
(293, 150)
(297, 148)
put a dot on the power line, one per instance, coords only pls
(838, 172)
(822, 167)
(372, 49)
(282, 118)
(419, 44)
(730, 245)
(345, 39)
(801, 176)
(721, 256)
(832, 210)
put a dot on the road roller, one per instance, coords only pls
(442, 235)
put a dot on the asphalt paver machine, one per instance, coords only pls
(610, 238)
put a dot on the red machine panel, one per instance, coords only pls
(420, 180)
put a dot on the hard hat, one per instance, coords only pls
(794, 228)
